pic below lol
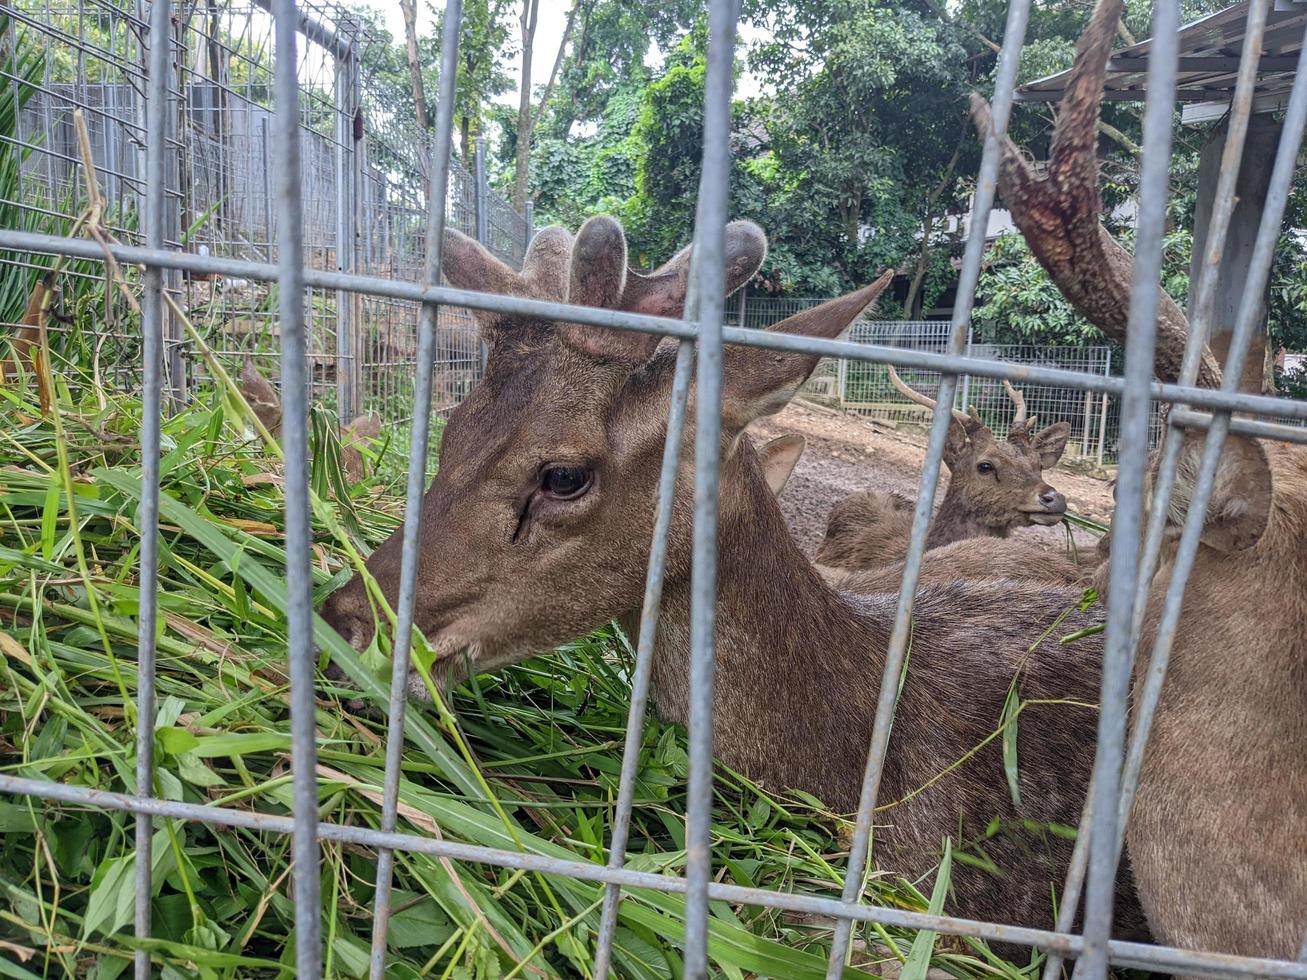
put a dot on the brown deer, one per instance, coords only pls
(536, 530)
(264, 401)
(972, 558)
(994, 487)
(1218, 832)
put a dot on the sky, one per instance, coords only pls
(549, 31)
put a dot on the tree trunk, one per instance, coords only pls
(928, 228)
(409, 9)
(530, 10)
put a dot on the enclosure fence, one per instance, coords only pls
(701, 333)
(363, 177)
(863, 388)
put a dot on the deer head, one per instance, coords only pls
(549, 469)
(264, 401)
(998, 484)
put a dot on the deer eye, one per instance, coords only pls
(984, 467)
(566, 482)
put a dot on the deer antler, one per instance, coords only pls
(1058, 212)
(963, 419)
(1019, 400)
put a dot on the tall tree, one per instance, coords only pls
(526, 118)
(409, 10)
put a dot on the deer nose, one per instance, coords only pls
(1052, 501)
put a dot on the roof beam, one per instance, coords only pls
(1212, 63)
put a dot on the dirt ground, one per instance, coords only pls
(845, 453)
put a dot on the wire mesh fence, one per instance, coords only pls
(302, 283)
(364, 166)
(864, 388)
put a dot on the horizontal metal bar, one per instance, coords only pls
(1208, 398)
(1244, 427)
(1137, 955)
(316, 31)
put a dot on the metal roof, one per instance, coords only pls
(1209, 62)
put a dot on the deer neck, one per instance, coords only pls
(789, 647)
(957, 520)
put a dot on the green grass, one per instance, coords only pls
(526, 759)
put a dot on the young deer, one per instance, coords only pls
(994, 487)
(536, 530)
(1218, 833)
(973, 558)
(264, 401)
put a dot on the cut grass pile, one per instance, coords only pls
(526, 759)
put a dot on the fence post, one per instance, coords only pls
(530, 223)
(1102, 418)
(966, 378)
(174, 338)
(482, 198)
(1084, 429)
(346, 95)
(482, 195)
(743, 303)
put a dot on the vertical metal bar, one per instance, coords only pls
(653, 593)
(1205, 291)
(438, 168)
(983, 200)
(344, 154)
(481, 198)
(1085, 423)
(1140, 341)
(966, 378)
(151, 410)
(299, 582)
(707, 306)
(1102, 418)
(267, 186)
(529, 222)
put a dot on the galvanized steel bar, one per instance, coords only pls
(1135, 955)
(344, 153)
(419, 448)
(1206, 398)
(709, 301)
(1205, 293)
(295, 431)
(160, 39)
(1145, 294)
(653, 592)
(986, 188)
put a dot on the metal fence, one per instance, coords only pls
(363, 173)
(701, 330)
(863, 387)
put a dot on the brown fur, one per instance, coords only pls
(264, 401)
(507, 569)
(1218, 832)
(994, 487)
(975, 558)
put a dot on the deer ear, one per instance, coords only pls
(1050, 442)
(467, 265)
(598, 278)
(778, 459)
(759, 381)
(261, 396)
(1240, 506)
(955, 445)
(662, 293)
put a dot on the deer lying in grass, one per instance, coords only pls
(994, 487)
(1218, 834)
(537, 527)
(264, 401)
(973, 558)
